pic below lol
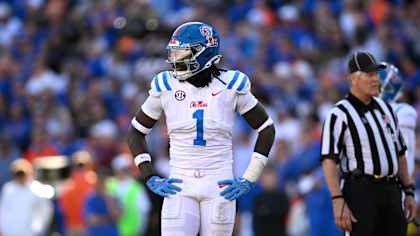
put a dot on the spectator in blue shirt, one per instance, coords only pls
(101, 211)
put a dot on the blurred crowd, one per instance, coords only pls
(74, 72)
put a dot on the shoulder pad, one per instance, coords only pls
(405, 108)
(407, 115)
(160, 83)
(239, 82)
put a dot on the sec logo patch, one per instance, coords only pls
(180, 95)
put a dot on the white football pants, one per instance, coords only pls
(199, 206)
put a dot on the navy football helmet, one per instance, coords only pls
(392, 83)
(194, 47)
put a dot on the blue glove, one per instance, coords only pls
(163, 186)
(236, 188)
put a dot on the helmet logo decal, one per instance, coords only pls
(173, 43)
(207, 32)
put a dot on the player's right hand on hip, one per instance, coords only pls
(163, 186)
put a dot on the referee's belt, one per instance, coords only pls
(371, 178)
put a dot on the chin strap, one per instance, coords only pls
(215, 60)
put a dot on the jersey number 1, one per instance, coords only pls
(198, 115)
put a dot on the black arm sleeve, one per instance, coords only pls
(255, 118)
(137, 143)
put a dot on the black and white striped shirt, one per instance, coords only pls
(363, 137)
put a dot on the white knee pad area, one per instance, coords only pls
(217, 217)
(180, 216)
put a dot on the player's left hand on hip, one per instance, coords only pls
(235, 188)
(410, 208)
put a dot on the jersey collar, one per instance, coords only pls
(359, 105)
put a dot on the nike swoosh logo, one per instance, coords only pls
(215, 93)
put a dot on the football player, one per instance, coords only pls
(391, 88)
(200, 102)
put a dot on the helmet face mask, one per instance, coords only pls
(392, 83)
(193, 48)
(177, 55)
(183, 61)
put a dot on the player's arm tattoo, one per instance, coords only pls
(256, 117)
(137, 143)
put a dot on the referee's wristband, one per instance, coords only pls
(337, 197)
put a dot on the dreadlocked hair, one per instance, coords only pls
(204, 78)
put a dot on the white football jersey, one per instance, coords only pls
(200, 121)
(407, 119)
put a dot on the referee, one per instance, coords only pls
(361, 136)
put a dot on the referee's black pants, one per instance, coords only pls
(376, 205)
